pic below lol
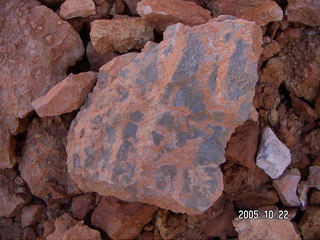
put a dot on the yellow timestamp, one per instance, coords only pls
(265, 214)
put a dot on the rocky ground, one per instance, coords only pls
(171, 119)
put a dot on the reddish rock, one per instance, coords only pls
(317, 106)
(37, 47)
(43, 163)
(310, 223)
(315, 197)
(61, 225)
(302, 64)
(30, 215)
(312, 141)
(29, 234)
(12, 196)
(260, 11)
(48, 228)
(163, 119)
(81, 205)
(10, 230)
(102, 8)
(304, 11)
(120, 6)
(314, 177)
(271, 229)
(302, 109)
(270, 50)
(243, 144)
(77, 8)
(80, 231)
(132, 5)
(66, 96)
(162, 14)
(7, 148)
(96, 59)
(120, 35)
(121, 220)
(273, 156)
(287, 186)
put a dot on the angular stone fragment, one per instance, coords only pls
(162, 14)
(260, 11)
(310, 223)
(10, 230)
(314, 177)
(302, 109)
(7, 146)
(77, 8)
(273, 156)
(304, 11)
(12, 196)
(121, 220)
(43, 164)
(132, 5)
(81, 205)
(287, 186)
(66, 96)
(121, 34)
(36, 49)
(271, 229)
(155, 131)
(30, 215)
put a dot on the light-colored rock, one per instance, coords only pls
(162, 14)
(310, 223)
(163, 120)
(261, 229)
(304, 11)
(43, 164)
(122, 34)
(260, 11)
(12, 196)
(287, 186)
(30, 215)
(314, 177)
(66, 96)
(121, 220)
(303, 190)
(273, 156)
(77, 8)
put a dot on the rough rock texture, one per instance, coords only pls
(310, 223)
(66, 96)
(10, 230)
(302, 109)
(121, 220)
(121, 34)
(52, 3)
(132, 5)
(260, 11)
(77, 8)
(96, 59)
(304, 11)
(162, 14)
(36, 49)
(81, 205)
(43, 164)
(260, 229)
(273, 156)
(243, 144)
(30, 215)
(12, 196)
(163, 119)
(315, 197)
(314, 177)
(287, 186)
(7, 145)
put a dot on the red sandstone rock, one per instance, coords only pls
(120, 35)
(81, 205)
(260, 11)
(162, 14)
(163, 119)
(270, 50)
(96, 59)
(271, 229)
(66, 96)
(29, 234)
(7, 147)
(120, 6)
(10, 230)
(317, 106)
(121, 220)
(132, 5)
(77, 8)
(243, 144)
(80, 231)
(315, 197)
(302, 109)
(304, 11)
(43, 163)
(314, 177)
(286, 187)
(37, 47)
(310, 223)
(61, 224)
(312, 141)
(30, 215)
(12, 196)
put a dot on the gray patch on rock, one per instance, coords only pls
(130, 131)
(156, 137)
(165, 175)
(125, 148)
(136, 116)
(166, 120)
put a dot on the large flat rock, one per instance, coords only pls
(155, 127)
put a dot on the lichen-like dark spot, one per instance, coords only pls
(244, 111)
(124, 150)
(218, 116)
(96, 120)
(90, 158)
(124, 73)
(123, 174)
(227, 36)
(186, 181)
(156, 137)
(136, 116)
(214, 173)
(166, 120)
(82, 132)
(111, 134)
(167, 93)
(197, 199)
(182, 137)
(76, 160)
(164, 175)
(123, 93)
(130, 131)
(213, 79)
